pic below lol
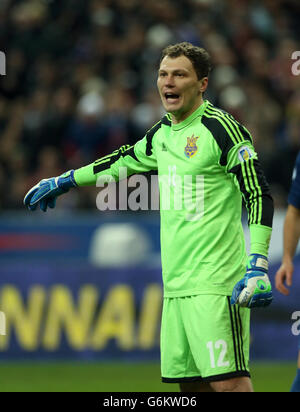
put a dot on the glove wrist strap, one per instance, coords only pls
(67, 180)
(258, 262)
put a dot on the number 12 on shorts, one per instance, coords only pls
(220, 348)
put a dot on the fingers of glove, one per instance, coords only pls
(45, 187)
(47, 202)
(250, 300)
(41, 193)
(234, 297)
(33, 191)
(52, 202)
(260, 300)
(44, 204)
(32, 208)
(237, 291)
(29, 195)
(243, 298)
(259, 303)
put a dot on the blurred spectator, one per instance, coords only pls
(80, 80)
(86, 133)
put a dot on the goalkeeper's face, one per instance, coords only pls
(179, 87)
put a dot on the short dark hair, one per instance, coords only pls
(199, 57)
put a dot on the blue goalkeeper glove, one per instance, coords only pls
(255, 289)
(47, 190)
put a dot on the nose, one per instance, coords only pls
(168, 84)
(169, 81)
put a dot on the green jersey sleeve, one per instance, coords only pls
(238, 157)
(243, 163)
(134, 159)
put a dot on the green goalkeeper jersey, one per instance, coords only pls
(206, 164)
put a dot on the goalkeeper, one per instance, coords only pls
(209, 283)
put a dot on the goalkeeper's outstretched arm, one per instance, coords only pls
(132, 159)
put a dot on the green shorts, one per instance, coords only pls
(204, 338)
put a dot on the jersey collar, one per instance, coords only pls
(198, 112)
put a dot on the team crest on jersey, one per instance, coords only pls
(191, 148)
(245, 154)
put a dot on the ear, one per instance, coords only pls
(203, 83)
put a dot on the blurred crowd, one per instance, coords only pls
(81, 81)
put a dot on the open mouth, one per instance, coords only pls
(171, 97)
